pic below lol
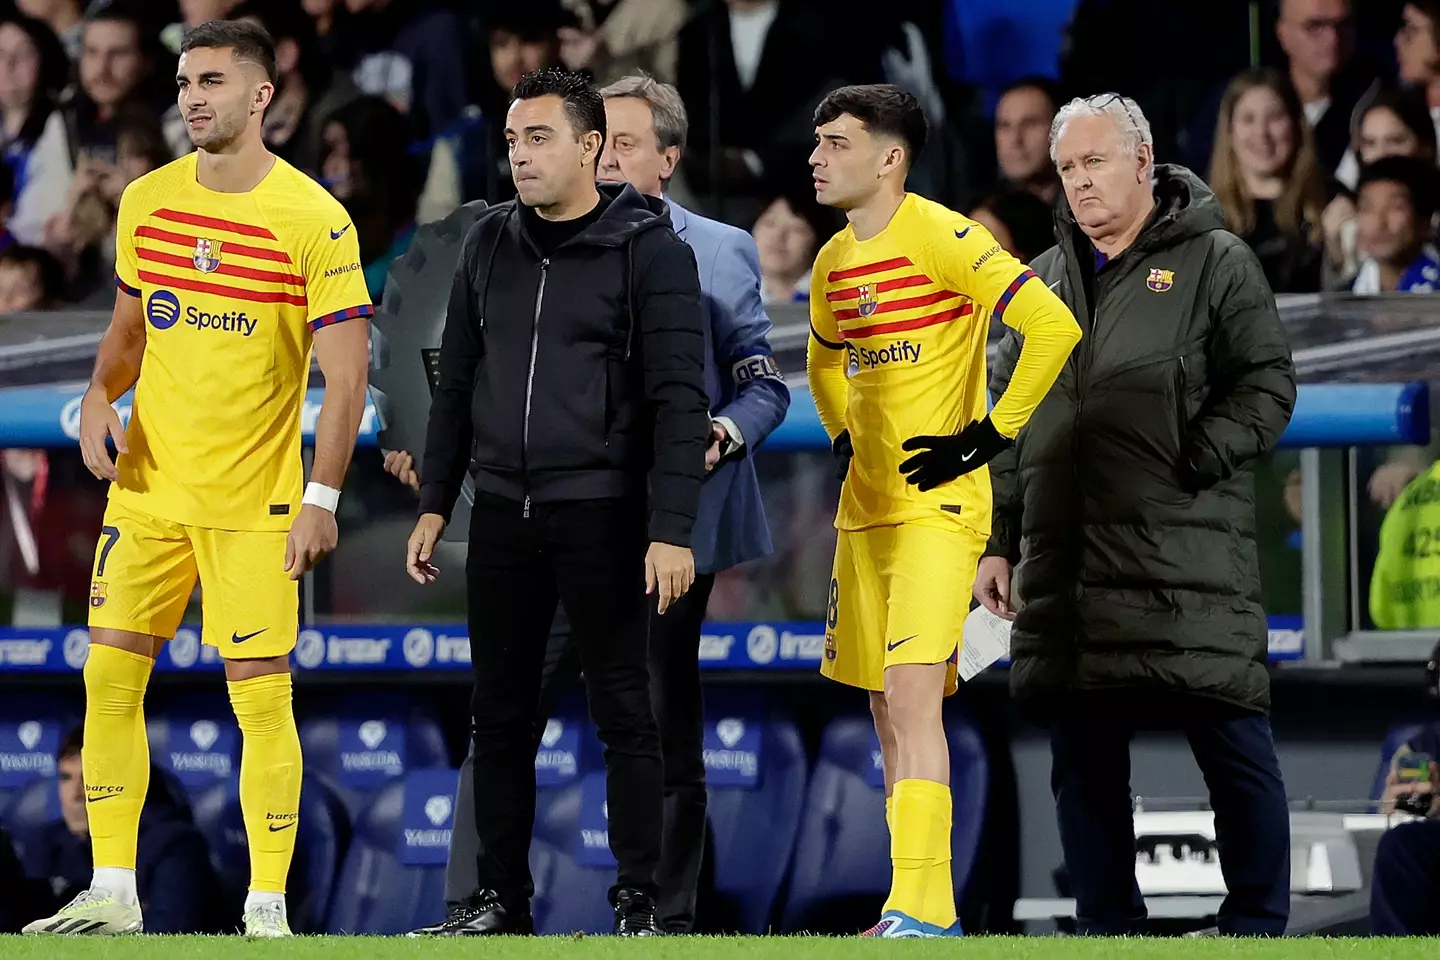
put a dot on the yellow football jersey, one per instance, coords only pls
(232, 286)
(899, 325)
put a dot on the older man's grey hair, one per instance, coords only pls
(668, 110)
(1129, 120)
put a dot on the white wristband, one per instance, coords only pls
(326, 498)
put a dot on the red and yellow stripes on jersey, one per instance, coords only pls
(169, 255)
(935, 306)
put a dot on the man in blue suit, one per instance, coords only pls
(748, 399)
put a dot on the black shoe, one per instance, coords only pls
(635, 914)
(481, 917)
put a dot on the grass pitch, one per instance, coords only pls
(706, 948)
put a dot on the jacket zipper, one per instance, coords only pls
(1182, 422)
(530, 385)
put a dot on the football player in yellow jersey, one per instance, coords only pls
(230, 264)
(900, 304)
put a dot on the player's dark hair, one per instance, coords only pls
(287, 21)
(885, 109)
(1035, 81)
(584, 106)
(1416, 176)
(48, 269)
(70, 746)
(249, 41)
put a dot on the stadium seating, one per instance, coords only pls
(322, 834)
(27, 751)
(202, 749)
(31, 807)
(393, 877)
(363, 745)
(570, 858)
(842, 858)
(1396, 738)
(756, 774)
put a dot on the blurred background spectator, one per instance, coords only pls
(1388, 122)
(1022, 223)
(65, 18)
(1397, 197)
(366, 164)
(788, 234)
(309, 88)
(615, 38)
(412, 53)
(33, 73)
(178, 888)
(1022, 136)
(30, 279)
(82, 234)
(1264, 173)
(1417, 51)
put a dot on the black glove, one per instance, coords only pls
(842, 451)
(942, 459)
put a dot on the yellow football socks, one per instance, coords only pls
(890, 815)
(270, 767)
(921, 886)
(115, 756)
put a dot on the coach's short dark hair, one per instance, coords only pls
(250, 41)
(885, 109)
(1418, 177)
(584, 106)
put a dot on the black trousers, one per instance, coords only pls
(1405, 890)
(588, 554)
(1090, 778)
(676, 695)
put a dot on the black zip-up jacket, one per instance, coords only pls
(577, 376)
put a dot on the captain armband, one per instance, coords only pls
(762, 366)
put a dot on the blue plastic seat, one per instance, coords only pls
(27, 751)
(322, 834)
(362, 748)
(393, 877)
(841, 872)
(755, 774)
(202, 750)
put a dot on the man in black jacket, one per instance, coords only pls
(571, 370)
(1128, 505)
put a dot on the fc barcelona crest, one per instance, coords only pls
(1160, 280)
(207, 255)
(97, 593)
(868, 300)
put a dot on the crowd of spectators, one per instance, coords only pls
(384, 103)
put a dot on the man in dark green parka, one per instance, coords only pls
(1128, 506)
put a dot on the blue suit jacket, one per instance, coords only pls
(744, 386)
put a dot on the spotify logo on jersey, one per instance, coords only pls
(162, 309)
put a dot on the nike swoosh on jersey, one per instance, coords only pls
(337, 234)
(965, 457)
(892, 646)
(236, 638)
(960, 234)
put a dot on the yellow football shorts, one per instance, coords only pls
(898, 594)
(145, 570)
